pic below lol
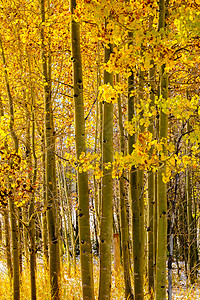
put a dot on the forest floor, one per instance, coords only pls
(182, 288)
(71, 284)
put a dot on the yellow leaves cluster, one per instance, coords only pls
(89, 162)
(179, 106)
(166, 176)
(179, 163)
(130, 126)
(195, 137)
(143, 117)
(4, 126)
(107, 93)
(140, 156)
(14, 183)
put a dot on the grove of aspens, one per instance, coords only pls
(99, 149)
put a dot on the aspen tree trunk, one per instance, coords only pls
(134, 195)
(155, 222)
(69, 217)
(107, 191)
(183, 229)
(83, 194)
(160, 284)
(51, 192)
(20, 233)
(23, 212)
(97, 127)
(96, 213)
(14, 227)
(155, 225)
(44, 213)
(32, 232)
(45, 242)
(7, 223)
(133, 179)
(190, 223)
(62, 240)
(32, 177)
(171, 236)
(151, 198)
(62, 196)
(23, 234)
(116, 252)
(96, 235)
(31, 237)
(7, 244)
(123, 213)
(141, 186)
(14, 231)
(195, 230)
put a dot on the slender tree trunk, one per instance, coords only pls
(7, 242)
(151, 198)
(160, 285)
(44, 213)
(14, 227)
(171, 238)
(83, 195)
(123, 213)
(32, 177)
(20, 232)
(190, 223)
(195, 230)
(96, 198)
(141, 188)
(25, 233)
(107, 191)
(64, 221)
(134, 195)
(69, 217)
(7, 223)
(51, 192)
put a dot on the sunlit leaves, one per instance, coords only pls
(107, 93)
(13, 180)
(179, 106)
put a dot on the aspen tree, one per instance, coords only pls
(69, 215)
(190, 222)
(133, 179)
(70, 223)
(32, 177)
(123, 212)
(161, 257)
(64, 221)
(107, 190)
(51, 192)
(141, 188)
(21, 213)
(7, 244)
(44, 213)
(14, 227)
(98, 128)
(83, 193)
(7, 223)
(151, 197)
(134, 196)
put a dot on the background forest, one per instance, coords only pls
(99, 149)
